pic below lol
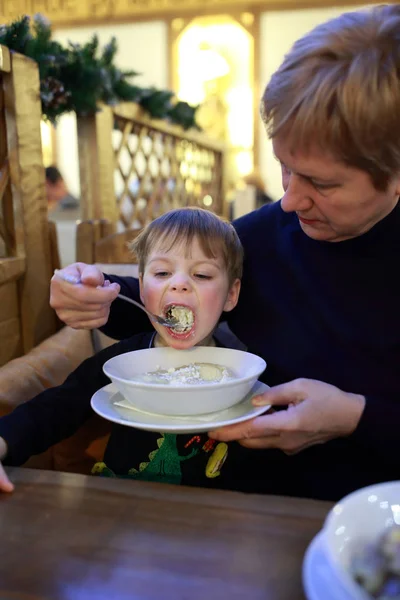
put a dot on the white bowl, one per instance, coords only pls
(359, 517)
(183, 400)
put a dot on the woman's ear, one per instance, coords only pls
(233, 296)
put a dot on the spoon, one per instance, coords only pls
(156, 318)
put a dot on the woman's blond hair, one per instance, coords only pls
(339, 88)
(216, 236)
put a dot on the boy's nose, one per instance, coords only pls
(180, 283)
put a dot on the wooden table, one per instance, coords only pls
(71, 537)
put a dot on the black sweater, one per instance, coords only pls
(330, 311)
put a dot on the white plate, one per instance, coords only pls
(109, 404)
(319, 580)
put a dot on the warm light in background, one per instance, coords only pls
(244, 162)
(46, 131)
(240, 116)
(209, 64)
(215, 69)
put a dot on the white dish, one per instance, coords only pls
(111, 405)
(357, 519)
(170, 398)
(319, 580)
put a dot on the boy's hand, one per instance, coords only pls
(81, 297)
(5, 483)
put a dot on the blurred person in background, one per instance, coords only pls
(59, 199)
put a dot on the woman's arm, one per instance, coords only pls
(316, 412)
(124, 319)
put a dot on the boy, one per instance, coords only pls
(187, 258)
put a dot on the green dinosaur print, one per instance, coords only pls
(164, 464)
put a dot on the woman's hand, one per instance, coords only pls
(316, 412)
(5, 483)
(84, 300)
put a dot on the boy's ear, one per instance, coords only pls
(141, 287)
(233, 296)
(397, 190)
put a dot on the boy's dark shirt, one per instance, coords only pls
(326, 311)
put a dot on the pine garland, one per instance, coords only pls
(81, 77)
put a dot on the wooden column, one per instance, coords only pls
(96, 166)
(29, 204)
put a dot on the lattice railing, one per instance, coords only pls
(145, 167)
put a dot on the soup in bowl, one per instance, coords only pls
(173, 382)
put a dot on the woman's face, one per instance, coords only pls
(333, 202)
(191, 280)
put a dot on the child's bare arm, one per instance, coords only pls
(5, 483)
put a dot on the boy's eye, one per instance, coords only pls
(161, 274)
(202, 276)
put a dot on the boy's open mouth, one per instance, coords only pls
(184, 315)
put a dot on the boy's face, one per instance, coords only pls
(189, 279)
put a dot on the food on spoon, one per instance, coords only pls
(192, 374)
(184, 317)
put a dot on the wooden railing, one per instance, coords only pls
(133, 168)
(25, 257)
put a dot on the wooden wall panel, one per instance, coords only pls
(72, 13)
(23, 116)
(26, 261)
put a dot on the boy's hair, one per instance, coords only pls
(339, 87)
(215, 234)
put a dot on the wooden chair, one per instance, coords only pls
(96, 243)
(50, 362)
(54, 257)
